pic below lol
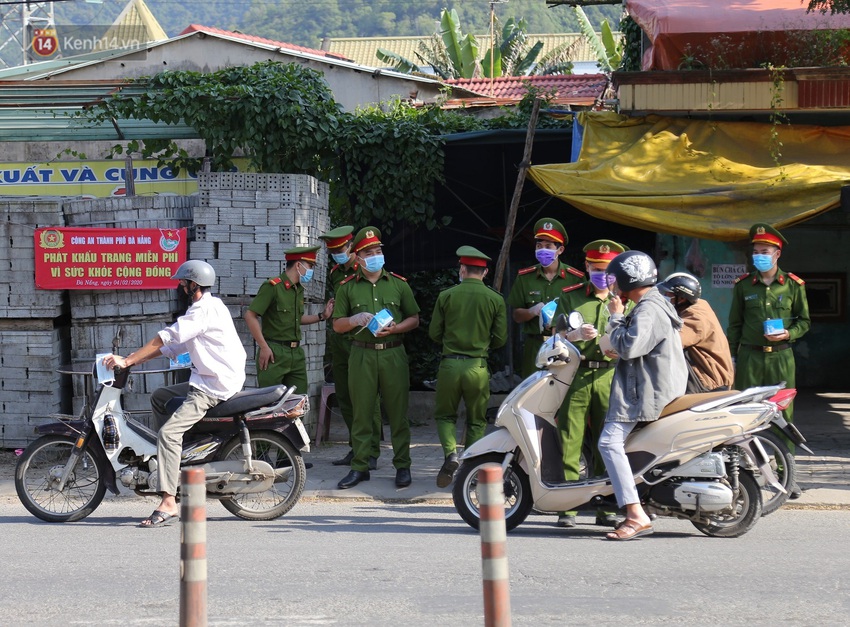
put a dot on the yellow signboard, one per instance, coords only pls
(94, 179)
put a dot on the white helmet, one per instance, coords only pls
(196, 270)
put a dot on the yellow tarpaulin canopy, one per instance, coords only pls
(698, 178)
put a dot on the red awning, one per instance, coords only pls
(745, 31)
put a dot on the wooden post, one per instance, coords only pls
(193, 549)
(129, 181)
(494, 559)
(520, 181)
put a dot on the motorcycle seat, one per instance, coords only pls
(239, 403)
(687, 401)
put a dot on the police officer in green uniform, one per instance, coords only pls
(468, 320)
(767, 293)
(540, 284)
(274, 319)
(338, 243)
(586, 403)
(378, 362)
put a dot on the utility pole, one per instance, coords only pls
(28, 27)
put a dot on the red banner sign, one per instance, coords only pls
(76, 258)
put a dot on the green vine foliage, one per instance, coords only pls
(383, 163)
(632, 35)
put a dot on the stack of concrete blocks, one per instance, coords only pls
(34, 339)
(98, 317)
(243, 224)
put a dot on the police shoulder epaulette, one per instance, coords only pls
(334, 268)
(275, 280)
(398, 276)
(742, 277)
(572, 287)
(578, 273)
(347, 279)
(527, 270)
(796, 279)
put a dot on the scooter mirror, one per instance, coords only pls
(575, 320)
(561, 324)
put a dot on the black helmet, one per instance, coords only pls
(633, 269)
(683, 285)
(198, 271)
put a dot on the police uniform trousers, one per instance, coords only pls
(530, 347)
(289, 367)
(373, 373)
(340, 349)
(459, 378)
(755, 367)
(584, 408)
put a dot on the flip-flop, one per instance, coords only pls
(629, 530)
(159, 518)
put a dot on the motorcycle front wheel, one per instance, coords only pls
(518, 499)
(39, 472)
(276, 450)
(784, 467)
(746, 511)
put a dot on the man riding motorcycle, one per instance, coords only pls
(206, 331)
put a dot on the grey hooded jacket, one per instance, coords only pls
(651, 371)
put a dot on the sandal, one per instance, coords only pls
(629, 530)
(159, 518)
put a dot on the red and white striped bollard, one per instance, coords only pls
(494, 559)
(193, 548)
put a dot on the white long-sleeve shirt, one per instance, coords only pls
(207, 333)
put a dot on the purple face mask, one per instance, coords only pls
(601, 280)
(546, 256)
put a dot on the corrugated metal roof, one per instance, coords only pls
(197, 28)
(572, 89)
(48, 111)
(362, 49)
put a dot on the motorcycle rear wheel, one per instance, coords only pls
(747, 511)
(518, 499)
(276, 450)
(39, 471)
(784, 467)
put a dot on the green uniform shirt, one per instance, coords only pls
(753, 302)
(594, 310)
(339, 273)
(390, 292)
(469, 319)
(531, 287)
(281, 304)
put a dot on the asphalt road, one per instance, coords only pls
(368, 563)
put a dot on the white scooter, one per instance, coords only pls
(249, 447)
(700, 461)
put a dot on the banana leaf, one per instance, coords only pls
(398, 62)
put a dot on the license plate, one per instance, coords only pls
(303, 433)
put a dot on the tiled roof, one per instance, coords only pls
(197, 28)
(573, 89)
(362, 49)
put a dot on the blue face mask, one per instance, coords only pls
(306, 277)
(546, 256)
(763, 263)
(601, 280)
(374, 264)
(340, 258)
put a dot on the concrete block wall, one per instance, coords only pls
(31, 387)
(243, 224)
(43, 330)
